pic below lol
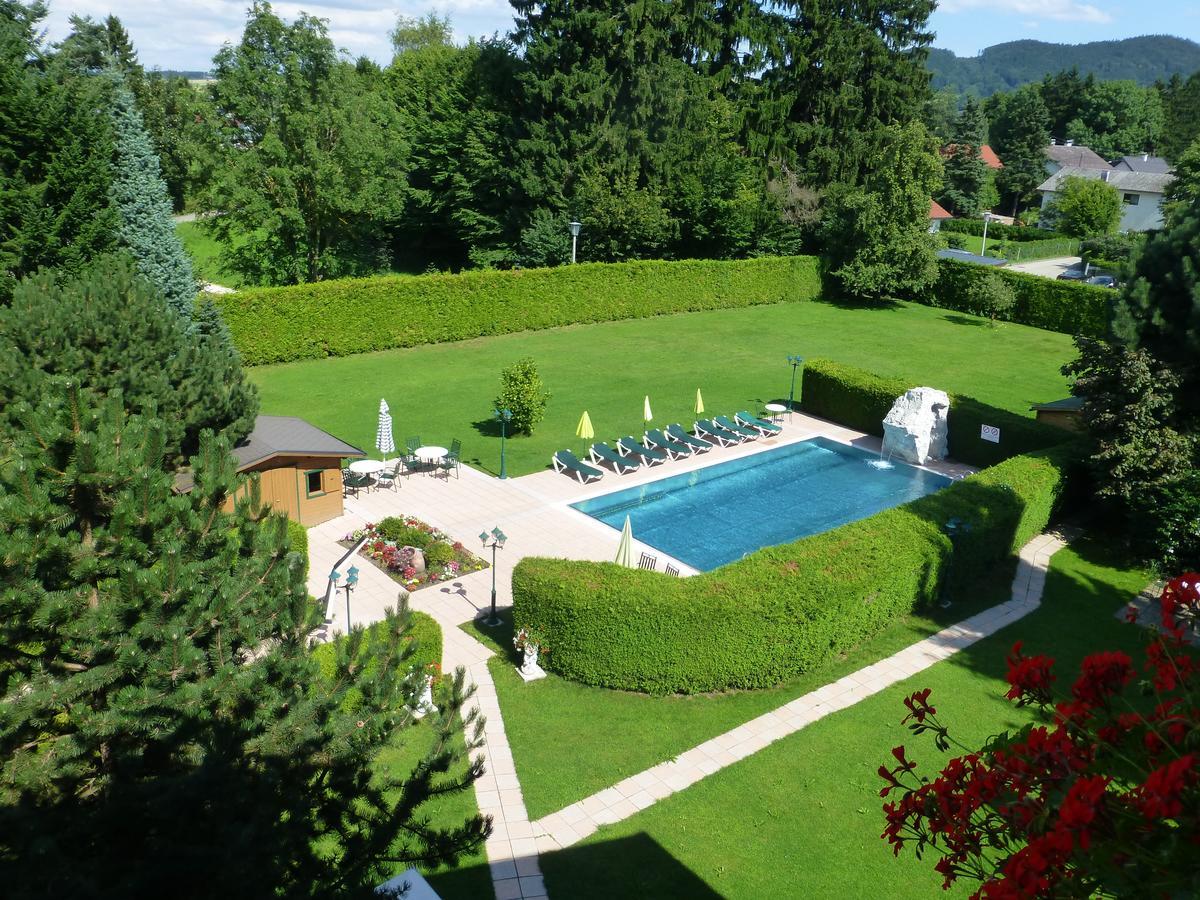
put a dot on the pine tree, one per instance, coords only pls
(112, 332)
(1020, 133)
(164, 728)
(967, 183)
(141, 199)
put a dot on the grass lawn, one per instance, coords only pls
(625, 732)
(802, 818)
(205, 251)
(738, 358)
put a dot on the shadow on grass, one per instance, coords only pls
(966, 320)
(638, 863)
(498, 638)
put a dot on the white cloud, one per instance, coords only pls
(1039, 10)
(184, 34)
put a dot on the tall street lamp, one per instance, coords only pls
(575, 228)
(796, 362)
(504, 416)
(494, 539)
(351, 584)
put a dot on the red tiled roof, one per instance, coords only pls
(987, 153)
(937, 212)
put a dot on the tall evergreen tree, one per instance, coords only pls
(968, 187)
(112, 332)
(1020, 129)
(163, 725)
(140, 195)
(1181, 115)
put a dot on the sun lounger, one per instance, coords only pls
(673, 448)
(602, 453)
(566, 461)
(698, 445)
(750, 434)
(706, 429)
(761, 425)
(628, 446)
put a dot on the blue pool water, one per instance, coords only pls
(720, 513)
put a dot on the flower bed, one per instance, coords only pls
(390, 545)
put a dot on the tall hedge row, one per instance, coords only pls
(1065, 306)
(860, 400)
(338, 318)
(782, 610)
(1000, 230)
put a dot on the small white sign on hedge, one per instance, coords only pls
(990, 433)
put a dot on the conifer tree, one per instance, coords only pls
(967, 183)
(1020, 133)
(164, 729)
(111, 331)
(142, 201)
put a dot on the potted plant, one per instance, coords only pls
(529, 642)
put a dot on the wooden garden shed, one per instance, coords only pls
(298, 465)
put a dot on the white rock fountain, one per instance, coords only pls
(916, 427)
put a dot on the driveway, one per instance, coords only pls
(1047, 268)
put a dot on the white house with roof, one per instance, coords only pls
(1069, 155)
(1141, 193)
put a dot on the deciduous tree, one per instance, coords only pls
(1083, 207)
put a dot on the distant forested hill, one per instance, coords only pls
(1005, 66)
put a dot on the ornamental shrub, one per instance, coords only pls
(326, 318)
(1065, 306)
(298, 540)
(781, 610)
(523, 394)
(401, 534)
(438, 554)
(992, 297)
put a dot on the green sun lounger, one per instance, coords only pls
(566, 461)
(698, 444)
(673, 448)
(630, 447)
(707, 429)
(728, 424)
(761, 425)
(602, 453)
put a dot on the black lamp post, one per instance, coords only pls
(350, 585)
(504, 416)
(796, 362)
(496, 537)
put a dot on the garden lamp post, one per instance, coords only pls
(351, 583)
(797, 362)
(987, 217)
(575, 229)
(494, 539)
(504, 416)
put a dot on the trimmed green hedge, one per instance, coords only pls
(1025, 251)
(782, 610)
(327, 318)
(424, 632)
(298, 538)
(860, 400)
(1000, 231)
(1065, 306)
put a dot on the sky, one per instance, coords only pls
(184, 34)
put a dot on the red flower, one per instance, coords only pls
(1159, 796)
(1082, 804)
(1180, 600)
(918, 706)
(1030, 677)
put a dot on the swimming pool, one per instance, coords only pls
(718, 514)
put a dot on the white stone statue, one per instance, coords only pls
(916, 427)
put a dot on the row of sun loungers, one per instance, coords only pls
(659, 446)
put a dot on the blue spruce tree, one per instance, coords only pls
(141, 198)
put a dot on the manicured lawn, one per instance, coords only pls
(205, 252)
(548, 720)
(738, 358)
(802, 818)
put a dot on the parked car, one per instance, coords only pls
(1072, 275)
(1102, 281)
